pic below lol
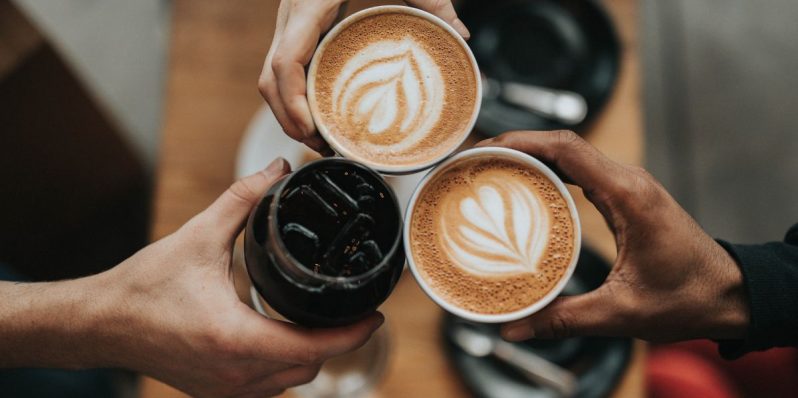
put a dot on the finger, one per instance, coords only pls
(229, 212)
(444, 10)
(288, 378)
(291, 57)
(275, 340)
(589, 314)
(267, 83)
(318, 144)
(263, 393)
(571, 156)
(314, 142)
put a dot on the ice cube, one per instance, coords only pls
(307, 192)
(348, 240)
(367, 256)
(366, 193)
(337, 194)
(371, 250)
(366, 202)
(302, 243)
(357, 264)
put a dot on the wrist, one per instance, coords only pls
(732, 314)
(111, 325)
(78, 314)
(95, 333)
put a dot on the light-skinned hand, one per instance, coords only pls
(282, 81)
(171, 311)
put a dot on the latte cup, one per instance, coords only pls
(394, 88)
(472, 268)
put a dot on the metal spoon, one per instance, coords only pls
(534, 367)
(563, 106)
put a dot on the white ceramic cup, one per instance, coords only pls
(533, 163)
(331, 139)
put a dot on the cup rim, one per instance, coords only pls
(509, 316)
(343, 150)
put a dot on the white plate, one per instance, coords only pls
(265, 140)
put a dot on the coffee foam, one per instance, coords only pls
(491, 235)
(395, 89)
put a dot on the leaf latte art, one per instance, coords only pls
(502, 229)
(392, 90)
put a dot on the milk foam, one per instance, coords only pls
(503, 229)
(391, 88)
(394, 90)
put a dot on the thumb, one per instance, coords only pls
(593, 314)
(444, 10)
(229, 212)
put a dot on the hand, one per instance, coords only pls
(184, 324)
(300, 23)
(670, 280)
(171, 311)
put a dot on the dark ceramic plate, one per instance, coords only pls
(598, 362)
(561, 44)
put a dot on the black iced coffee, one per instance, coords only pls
(324, 246)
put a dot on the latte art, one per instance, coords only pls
(491, 235)
(502, 230)
(392, 90)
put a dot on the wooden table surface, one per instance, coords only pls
(217, 50)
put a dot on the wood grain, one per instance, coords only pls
(216, 54)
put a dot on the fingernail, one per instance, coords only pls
(518, 332)
(379, 321)
(460, 27)
(276, 166)
(485, 142)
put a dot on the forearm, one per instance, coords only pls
(52, 324)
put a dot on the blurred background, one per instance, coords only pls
(81, 90)
(720, 89)
(82, 87)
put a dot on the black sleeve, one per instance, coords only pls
(770, 272)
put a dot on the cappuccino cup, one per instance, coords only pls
(394, 88)
(492, 235)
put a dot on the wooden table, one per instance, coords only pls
(216, 54)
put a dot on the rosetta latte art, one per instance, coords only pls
(502, 230)
(393, 90)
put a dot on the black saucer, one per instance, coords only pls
(561, 44)
(598, 362)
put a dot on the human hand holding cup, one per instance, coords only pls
(671, 281)
(300, 24)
